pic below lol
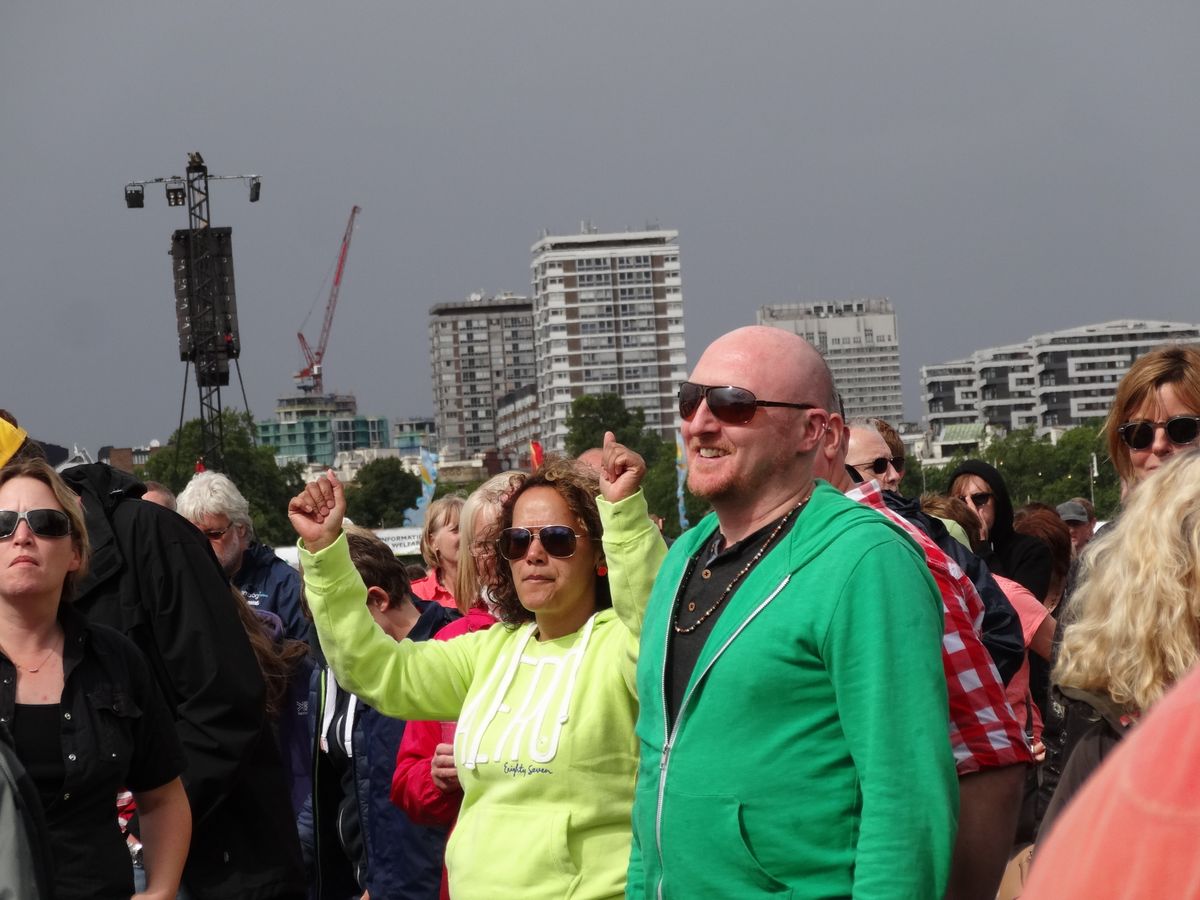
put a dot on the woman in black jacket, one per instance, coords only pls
(85, 715)
(1021, 557)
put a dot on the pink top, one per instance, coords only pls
(429, 588)
(1032, 614)
(1131, 830)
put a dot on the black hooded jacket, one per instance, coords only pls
(1023, 558)
(154, 578)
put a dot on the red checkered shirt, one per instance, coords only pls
(984, 731)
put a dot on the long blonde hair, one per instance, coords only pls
(489, 495)
(1134, 626)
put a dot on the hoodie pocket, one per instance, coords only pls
(534, 859)
(706, 852)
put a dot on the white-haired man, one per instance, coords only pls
(212, 502)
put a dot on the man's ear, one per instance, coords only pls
(834, 439)
(379, 597)
(814, 432)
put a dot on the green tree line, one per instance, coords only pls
(266, 486)
(1035, 469)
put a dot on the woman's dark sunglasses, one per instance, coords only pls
(732, 405)
(557, 540)
(1181, 430)
(979, 500)
(50, 523)
(880, 464)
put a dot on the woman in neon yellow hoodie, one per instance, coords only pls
(546, 702)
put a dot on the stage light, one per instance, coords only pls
(135, 196)
(176, 192)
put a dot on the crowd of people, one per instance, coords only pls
(823, 689)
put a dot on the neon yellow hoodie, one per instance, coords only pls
(545, 747)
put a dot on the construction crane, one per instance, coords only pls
(310, 378)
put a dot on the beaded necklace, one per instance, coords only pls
(736, 578)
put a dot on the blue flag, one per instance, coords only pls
(681, 478)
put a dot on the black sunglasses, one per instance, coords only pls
(978, 500)
(880, 464)
(557, 540)
(732, 405)
(50, 523)
(1181, 430)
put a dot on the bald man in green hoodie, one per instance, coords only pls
(793, 722)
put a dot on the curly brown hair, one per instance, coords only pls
(578, 485)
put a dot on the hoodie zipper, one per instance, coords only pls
(669, 735)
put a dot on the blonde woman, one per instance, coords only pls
(1155, 413)
(439, 548)
(425, 784)
(86, 718)
(1134, 622)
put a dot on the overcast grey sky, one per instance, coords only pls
(997, 170)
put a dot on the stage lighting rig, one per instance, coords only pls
(205, 302)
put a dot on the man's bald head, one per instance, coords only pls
(593, 458)
(786, 363)
(752, 471)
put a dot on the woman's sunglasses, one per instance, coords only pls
(731, 405)
(1181, 430)
(979, 500)
(880, 464)
(557, 540)
(49, 523)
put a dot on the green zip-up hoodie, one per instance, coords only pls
(810, 757)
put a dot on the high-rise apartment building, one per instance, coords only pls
(481, 350)
(1059, 379)
(859, 341)
(607, 318)
(517, 424)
